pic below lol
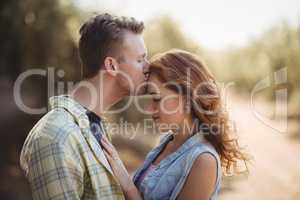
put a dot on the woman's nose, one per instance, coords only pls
(146, 69)
(149, 108)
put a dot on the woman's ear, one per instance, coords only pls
(111, 66)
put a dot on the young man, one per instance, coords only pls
(62, 157)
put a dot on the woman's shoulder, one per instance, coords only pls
(200, 163)
(204, 146)
(200, 153)
(205, 157)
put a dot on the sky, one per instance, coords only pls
(213, 24)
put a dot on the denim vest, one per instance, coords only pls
(167, 179)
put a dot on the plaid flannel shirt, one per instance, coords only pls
(62, 159)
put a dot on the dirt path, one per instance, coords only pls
(275, 173)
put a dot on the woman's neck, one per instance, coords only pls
(184, 133)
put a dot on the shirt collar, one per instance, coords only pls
(196, 139)
(72, 106)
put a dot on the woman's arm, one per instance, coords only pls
(201, 180)
(120, 172)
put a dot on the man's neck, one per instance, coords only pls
(98, 95)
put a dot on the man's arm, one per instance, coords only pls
(53, 172)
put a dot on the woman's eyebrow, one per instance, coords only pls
(153, 93)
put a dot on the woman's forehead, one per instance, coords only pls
(154, 86)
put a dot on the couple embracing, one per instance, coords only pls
(68, 153)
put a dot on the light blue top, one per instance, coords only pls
(167, 179)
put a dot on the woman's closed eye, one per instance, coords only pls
(156, 98)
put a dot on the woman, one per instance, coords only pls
(188, 162)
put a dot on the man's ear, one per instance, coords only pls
(111, 66)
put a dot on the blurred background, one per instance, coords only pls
(246, 44)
